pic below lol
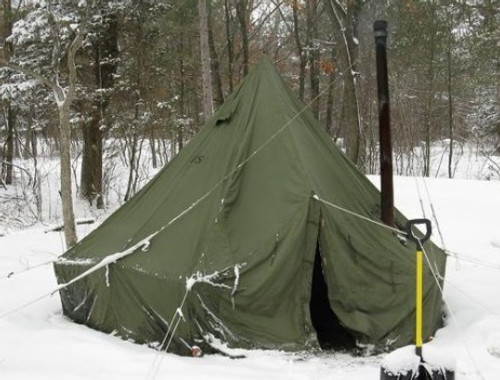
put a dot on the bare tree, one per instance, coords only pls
(344, 16)
(97, 74)
(63, 97)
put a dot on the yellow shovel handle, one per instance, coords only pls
(418, 301)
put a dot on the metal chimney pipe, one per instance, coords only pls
(387, 190)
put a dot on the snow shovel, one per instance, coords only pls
(423, 370)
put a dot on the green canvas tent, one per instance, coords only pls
(234, 242)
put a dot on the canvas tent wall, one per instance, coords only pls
(233, 228)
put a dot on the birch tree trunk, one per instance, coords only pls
(66, 193)
(63, 103)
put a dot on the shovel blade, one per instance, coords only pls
(422, 373)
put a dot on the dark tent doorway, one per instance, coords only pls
(330, 333)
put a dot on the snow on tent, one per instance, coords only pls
(236, 241)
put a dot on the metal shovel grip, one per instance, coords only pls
(418, 222)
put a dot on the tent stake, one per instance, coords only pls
(387, 192)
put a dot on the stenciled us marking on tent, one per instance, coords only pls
(240, 262)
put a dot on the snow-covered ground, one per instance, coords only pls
(38, 342)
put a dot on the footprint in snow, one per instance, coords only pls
(494, 351)
(495, 243)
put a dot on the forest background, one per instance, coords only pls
(98, 84)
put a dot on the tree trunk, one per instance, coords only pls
(329, 102)
(300, 50)
(205, 60)
(137, 166)
(229, 44)
(131, 170)
(66, 192)
(152, 144)
(104, 70)
(312, 34)
(182, 100)
(64, 101)
(490, 13)
(429, 106)
(91, 172)
(8, 156)
(450, 112)
(497, 76)
(31, 138)
(10, 116)
(214, 59)
(180, 138)
(243, 13)
(427, 148)
(497, 127)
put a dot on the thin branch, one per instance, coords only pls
(263, 21)
(488, 157)
(278, 7)
(335, 4)
(334, 16)
(30, 177)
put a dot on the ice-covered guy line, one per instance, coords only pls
(397, 231)
(64, 261)
(107, 276)
(218, 325)
(199, 277)
(179, 312)
(236, 282)
(110, 259)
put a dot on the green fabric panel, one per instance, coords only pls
(265, 308)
